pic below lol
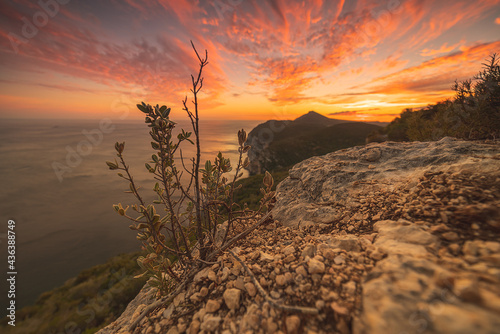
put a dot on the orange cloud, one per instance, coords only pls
(443, 49)
(287, 52)
(497, 20)
(439, 73)
(444, 15)
(64, 47)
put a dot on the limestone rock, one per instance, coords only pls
(266, 257)
(212, 276)
(334, 177)
(232, 298)
(315, 267)
(309, 250)
(289, 250)
(404, 231)
(210, 324)
(212, 306)
(292, 324)
(349, 243)
(251, 289)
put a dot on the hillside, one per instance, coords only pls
(281, 144)
(83, 304)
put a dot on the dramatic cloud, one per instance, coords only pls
(435, 75)
(271, 54)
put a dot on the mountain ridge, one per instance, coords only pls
(280, 144)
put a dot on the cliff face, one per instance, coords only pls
(259, 138)
(382, 238)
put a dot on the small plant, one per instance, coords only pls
(197, 212)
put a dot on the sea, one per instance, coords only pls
(57, 188)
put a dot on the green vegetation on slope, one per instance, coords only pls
(250, 192)
(474, 112)
(297, 145)
(84, 304)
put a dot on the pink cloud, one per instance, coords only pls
(285, 47)
(437, 74)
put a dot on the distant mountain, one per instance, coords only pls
(313, 118)
(278, 144)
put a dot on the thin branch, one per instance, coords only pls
(166, 300)
(239, 236)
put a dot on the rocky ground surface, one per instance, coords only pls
(384, 238)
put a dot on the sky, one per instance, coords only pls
(360, 60)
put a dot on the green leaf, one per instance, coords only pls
(111, 165)
(142, 226)
(268, 180)
(151, 211)
(141, 275)
(242, 137)
(149, 168)
(142, 108)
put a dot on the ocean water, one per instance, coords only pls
(66, 223)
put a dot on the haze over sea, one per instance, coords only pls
(63, 227)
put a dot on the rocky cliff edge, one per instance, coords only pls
(383, 238)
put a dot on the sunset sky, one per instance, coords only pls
(275, 59)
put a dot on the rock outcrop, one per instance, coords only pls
(384, 238)
(325, 189)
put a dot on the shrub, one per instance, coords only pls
(474, 112)
(477, 103)
(198, 213)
